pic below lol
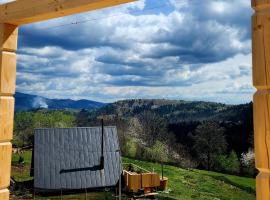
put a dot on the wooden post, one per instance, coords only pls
(8, 46)
(261, 80)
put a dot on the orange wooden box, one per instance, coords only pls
(134, 181)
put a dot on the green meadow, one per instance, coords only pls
(183, 184)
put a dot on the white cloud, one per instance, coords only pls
(192, 52)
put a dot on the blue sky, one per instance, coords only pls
(175, 49)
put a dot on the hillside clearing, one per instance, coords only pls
(183, 184)
(202, 185)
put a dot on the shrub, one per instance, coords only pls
(131, 148)
(158, 152)
(229, 164)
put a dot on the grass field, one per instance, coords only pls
(183, 184)
(202, 185)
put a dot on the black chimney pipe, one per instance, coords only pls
(102, 146)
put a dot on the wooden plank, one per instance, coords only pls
(260, 4)
(156, 180)
(5, 164)
(261, 103)
(8, 37)
(8, 46)
(263, 186)
(147, 180)
(4, 194)
(151, 194)
(29, 11)
(6, 118)
(261, 100)
(7, 73)
(134, 181)
(261, 106)
(259, 62)
(150, 180)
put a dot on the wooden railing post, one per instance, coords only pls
(8, 46)
(261, 80)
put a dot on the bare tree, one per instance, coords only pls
(152, 126)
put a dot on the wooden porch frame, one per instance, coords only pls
(12, 15)
(22, 12)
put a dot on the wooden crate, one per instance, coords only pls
(134, 181)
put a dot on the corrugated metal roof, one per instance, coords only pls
(68, 158)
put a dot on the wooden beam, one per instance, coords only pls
(7, 72)
(5, 164)
(4, 194)
(8, 37)
(29, 11)
(260, 4)
(6, 116)
(8, 46)
(261, 103)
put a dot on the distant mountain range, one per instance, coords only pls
(24, 102)
(177, 110)
(172, 110)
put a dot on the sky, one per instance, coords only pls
(171, 49)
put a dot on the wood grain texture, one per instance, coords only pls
(8, 46)
(263, 186)
(261, 99)
(150, 180)
(260, 4)
(29, 11)
(259, 62)
(8, 37)
(6, 118)
(5, 164)
(7, 73)
(132, 181)
(261, 109)
(4, 194)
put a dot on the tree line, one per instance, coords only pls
(224, 146)
(209, 143)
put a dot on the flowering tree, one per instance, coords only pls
(248, 162)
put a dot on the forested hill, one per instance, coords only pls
(161, 130)
(177, 110)
(26, 102)
(172, 110)
(178, 119)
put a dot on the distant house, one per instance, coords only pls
(72, 158)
